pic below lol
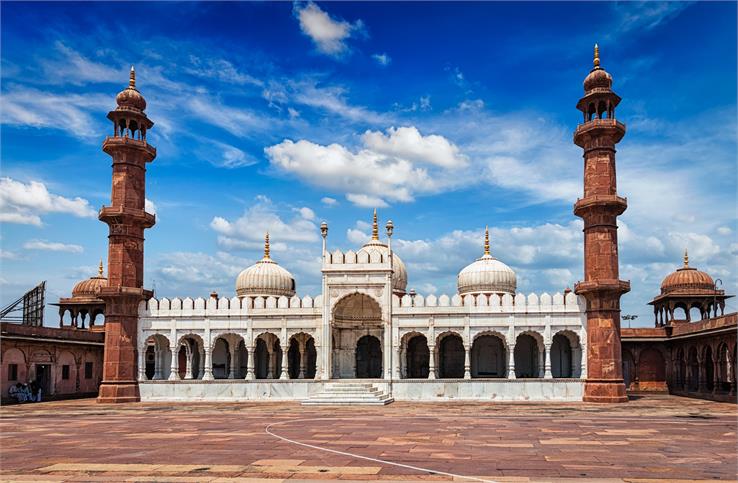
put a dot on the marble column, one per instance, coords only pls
(547, 362)
(201, 365)
(188, 367)
(250, 375)
(270, 363)
(158, 362)
(207, 374)
(432, 362)
(303, 360)
(396, 363)
(285, 362)
(142, 364)
(234, 364)
(467, 361)
(511, 363)
(174, 365)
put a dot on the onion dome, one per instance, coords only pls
(399, 272)
(89, 288)
(486, 275)
(598, 77)
(130, 98)
(265, 278)
(687, 279)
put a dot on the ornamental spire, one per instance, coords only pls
(132, 79)
(100, 269)
(597, 57)
(375, 226)
(266, 246)
(686, 259)
(486, 240)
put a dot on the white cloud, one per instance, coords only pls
(408, 143)
(7, 254)
(646, 15)
(221, 70)
(328, 201)
(392, 167)
(382, 59)
(150, 206)
(328, 34)
(247, 231)
(52, 246)
(724, 230)
(24, 203)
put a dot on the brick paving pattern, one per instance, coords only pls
(649, 439)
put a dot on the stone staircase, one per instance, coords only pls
(348, 394)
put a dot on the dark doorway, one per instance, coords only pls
(452, 357)
(43, 378)
(418, 358)
(368, 358)
(150, 362)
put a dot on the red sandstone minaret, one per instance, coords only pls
(600, 208)
(127, 220)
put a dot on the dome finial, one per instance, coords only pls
(266, 246)
(597, 57)
(375, 226)
(486, 240)
(100, 269)
(132, 80)
(686, 259)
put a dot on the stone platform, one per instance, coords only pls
(654, 438)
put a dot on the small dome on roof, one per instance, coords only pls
(265, 278)
(130, 97)
(598, 77)
(487, 275)
(687, 279)
(399, 272)
(90, 287)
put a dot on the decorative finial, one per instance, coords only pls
(100, 269)
(486, 240)
(132, 81)
(686, 259)
(266, 246)
(375, 227)
(597, 57)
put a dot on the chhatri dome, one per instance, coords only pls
(598, 77)
(399, 272)
(90, 287)
(130, 98)
(487, 275)
(265, 278)
(687, 279)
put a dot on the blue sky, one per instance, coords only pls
(446, 117)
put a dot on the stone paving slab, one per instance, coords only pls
(646, 440)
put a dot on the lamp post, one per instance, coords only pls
(629, 317)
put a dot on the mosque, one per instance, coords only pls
(366, 339)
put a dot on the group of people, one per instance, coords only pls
(22, 392)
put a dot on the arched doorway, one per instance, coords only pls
(488, 357)
(694, 370)
(561, 356)
(629, 371)
(357, 318)
(681, 372)
(451, 357)
(418, 357)
(526, 357)
(709, 369)
(368, 358)
(301, 357)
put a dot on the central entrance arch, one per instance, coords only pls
(357, 336)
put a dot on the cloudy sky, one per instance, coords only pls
(445, 117)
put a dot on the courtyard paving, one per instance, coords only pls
(656, 438)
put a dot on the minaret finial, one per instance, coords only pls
(597, 57)
(375, 226)
(132, 81)
(100, 269)
(686, 259)
(266, 246)
(486, 240)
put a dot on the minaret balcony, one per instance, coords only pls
(616, 203)
(112, 142)
(118, 215)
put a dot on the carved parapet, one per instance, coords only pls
(111, 143)
(117, 217)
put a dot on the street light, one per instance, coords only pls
(629, 317)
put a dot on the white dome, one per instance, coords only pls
(265, 278)
(487, 275)
(399, 272)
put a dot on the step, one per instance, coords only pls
(347, 402)
(348, 393)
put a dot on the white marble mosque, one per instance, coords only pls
(364, 339)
